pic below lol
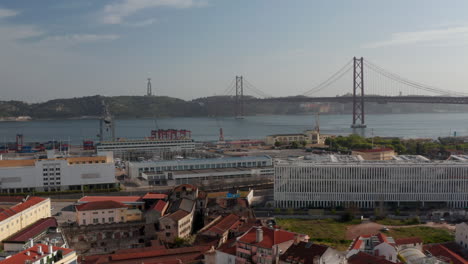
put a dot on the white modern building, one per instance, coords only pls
(131, 149)
(138, 169)
(330, 181)
(56, 173)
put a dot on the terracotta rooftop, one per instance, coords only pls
(439, 251)
(154, 196)
(33, 230)
(187, 187)
(364, 258)
(100, 205)
(159, 206)
(408, 240)
(271, 237)
(8, 212)
(11, 199)
(177, 215)
(303, 252)
(33, 256)
(226, 223)
(120, 199)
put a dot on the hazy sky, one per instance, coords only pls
(192, 48)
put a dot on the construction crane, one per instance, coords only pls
(106, 121)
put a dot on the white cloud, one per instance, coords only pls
(82, 38)
(7, 13)
(438, 36)
(116, 12)
(142, 23)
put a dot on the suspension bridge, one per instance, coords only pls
(358, 82)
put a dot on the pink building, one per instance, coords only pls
(265, 245)
(101, 212)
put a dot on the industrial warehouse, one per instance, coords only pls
(332, 181)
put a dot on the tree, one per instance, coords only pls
(294, 145)
(303, 143)
(277, 144)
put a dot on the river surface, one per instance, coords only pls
(251, 127)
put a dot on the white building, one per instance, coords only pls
(332, 181)
(174, 172)
(461, 235)
(131, 149)
(57, 173)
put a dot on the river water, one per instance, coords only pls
(251, 127)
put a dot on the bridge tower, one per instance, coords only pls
(149, 91)
(358, 93)
(239, 103)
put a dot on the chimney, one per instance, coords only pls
(51, 249)
(259, 235)
(39, 249)
(31, 242)
(28, 253)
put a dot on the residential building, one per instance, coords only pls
(17, 214)
(184, 191)
(415, 256)
(178, 223)
(311, 253)
(406, 180)
(365, 258)
(105, 212)
(225, 254)
(150, 255)
(155, 212)
(42, 254)
(221, 227)
(444, 252)
(461, 235)
(375, 154)
(56, 173)
(45, 229)
(378, 245)
(409, 242)
(264, 245)
(132, 202)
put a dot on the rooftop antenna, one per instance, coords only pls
(149, 92)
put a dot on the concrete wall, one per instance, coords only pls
(461, 235)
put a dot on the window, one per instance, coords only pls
(103, 220)
(111, 219)
(84, 221)
(95, 221)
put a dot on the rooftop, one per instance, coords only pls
(33, 255)
(159, 206)
(33, 230)
(271, 237)
(211, 160)
(100, 205)
(177, 215)
(120, 199)
(408, 240)
(303, 252)
(154, 196)
(364, 258)
(226, 223)
(441, 251)
(8, 212)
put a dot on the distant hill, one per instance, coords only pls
(163, 106)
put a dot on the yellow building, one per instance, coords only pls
(309, 136)
(105, 212)
(375, 154)
(17, 213)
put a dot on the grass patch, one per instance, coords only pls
(397, 222)
(327, 231)
(427, 234)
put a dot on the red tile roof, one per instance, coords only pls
(444, 252)
(303, 252)
(100, 205)
(177, 215)
(121, 199)
(229, 222)
(154, 196)
(8, 212)
(11, 199)
(188, 187)
(159, 206)
(408, 240)
(33, 230)
(22, 257)
(271, 237)
(364, 258)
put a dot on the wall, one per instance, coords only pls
(25, 218)
(461, 235)
(119, 215)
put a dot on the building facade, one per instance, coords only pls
(409, 180)
(461, 235)
(309, 136)
(22, 214)
(105, 212)
(57, 174)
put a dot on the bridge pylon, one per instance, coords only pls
(239, 103)
(358, 93)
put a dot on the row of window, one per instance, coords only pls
(204, 166)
